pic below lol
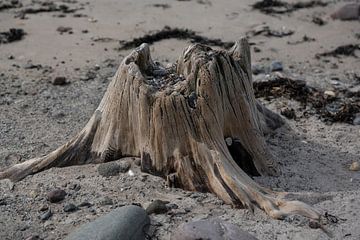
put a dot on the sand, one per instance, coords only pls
(37, 116)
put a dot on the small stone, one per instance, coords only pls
(258, 69)
(314, 225)
(63, 29)
(256, 49)
(85, 204)
(214, 229)
(353, 91)
(356, 120)
(172, 206)
(10, 57)
(192, 99)
(228, 141)
(44, 208)
(348, 12)
(128, 222)
(157, 207)
(137, 161)
(29, 65)
(355, 166)
(48, 224)
(187, 209)
(124, 166)
(108, 169)
(56, 195)
(70, 208)
(330, 93)
(89, 76)
(276, 66)
(76, 187)
(106, 201)
(33, 237)
(318, 20)
(288, 113)
(46, 215)
(59, 81)
(3, 202)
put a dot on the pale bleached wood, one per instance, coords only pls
(177, 126)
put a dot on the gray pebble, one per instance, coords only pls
(56, 195)
(128, 222)
(70, 208)
(124, 166)
(59, 81)
(85, 204)
(157, 207)
(137, 161)
(106, 201)
(276, 66)
(258, 69)
(46, 215)
(214, 229)
(356, 120)
(108, 169)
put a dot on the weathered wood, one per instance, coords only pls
(177, 119)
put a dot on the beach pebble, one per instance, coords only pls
(356, 120)
(44, 208)
(58, 81)
(70, 208)
(355, 166)
(106, 201)
(214, 229)
(63, 29)
(258, 69)
(124, 166)
(276, 66)
(157, 207)
(349, 11)
(108, 169)
(137, 161)
(330, 93)
(228, 141)
(45, 216)
(32, 237)
(85, 204)
(56, 195)
(128, 222)
(314, 224)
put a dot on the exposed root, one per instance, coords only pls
(75, 152)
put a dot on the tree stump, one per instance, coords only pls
(195, 123)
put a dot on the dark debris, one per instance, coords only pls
(280, 7)
(338, 109)
(168, 33)
(344, 50)
(14, 34)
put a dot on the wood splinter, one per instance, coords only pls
(177, 119)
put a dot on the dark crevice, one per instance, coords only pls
(243, 158)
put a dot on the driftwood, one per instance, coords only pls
(196, 123)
